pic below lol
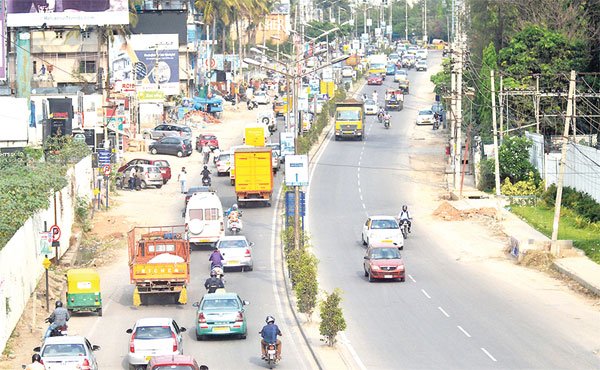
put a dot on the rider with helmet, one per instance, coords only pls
(269, 335)
(232, 213)
(36, 363)
(58, 318)
(205, 173)
(213, 282)
(405, 216)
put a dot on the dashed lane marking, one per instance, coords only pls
(464, 331)
(444, 312)
(426, 295)
(411, 278)
(489, 354)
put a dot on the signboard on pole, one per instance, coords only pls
(103, 158)
(286, 140)
(36, 13)
(296, 170)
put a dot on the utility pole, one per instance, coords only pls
(365, 19)
(458, 113)
(390, 20)
(537, 104)
(496, 154)
(501, 115)
(555, 248)
(406, 20)
(425, 38)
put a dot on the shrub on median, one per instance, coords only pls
(332, 317)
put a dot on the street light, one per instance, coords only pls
(274, 37)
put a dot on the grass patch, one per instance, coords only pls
(585, 237)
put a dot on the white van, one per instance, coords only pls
(204, 218)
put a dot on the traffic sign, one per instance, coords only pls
(55, 233)
(213, 63)
(79, 137)
(106, 169)
(46, 263)
(296, 170)
(103, 157)
(290, 205)
(96, 191)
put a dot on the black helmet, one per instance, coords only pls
(213, 273)
(59, 304)
(36, 358)
(205, 167)
(270, 320)
(404, 208)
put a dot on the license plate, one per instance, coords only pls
(388, 276)
(220, 328)
(386, 241)
(348, 132)
(148, 358)
(204, 240)
(233, 262)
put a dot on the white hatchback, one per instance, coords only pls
(261, 97)
(370, 107)
(159, 336)
(384, 229)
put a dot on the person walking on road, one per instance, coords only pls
(132, 178)
(206, 152)
(182, 178)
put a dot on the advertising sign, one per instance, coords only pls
(149, 61)
(3, 41)
(35, 13)
(296, 170)
(287, 143)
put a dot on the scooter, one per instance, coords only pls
(436, 124)
(271, 355)
(58, 331)
(386, 122)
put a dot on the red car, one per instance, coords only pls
(165, 167)
(184, 362)
(210, 139)
(375, 79)
(383, 261)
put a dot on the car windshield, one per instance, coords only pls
(161, 163)
(259, 93)
(224, 157)
(209, 137)
(377, 66)
(153, 169)
(153, 332)
(374, 76)
(385, 254)
(384, 224)
(186, 129)
(425, 113)
(370, 102)
(63, 350)
(232, 244)
(348, 115)
(220, 304)
(173, 367)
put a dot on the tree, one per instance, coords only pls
(483, 92)
(332, 317)
(307, 286)
(514, 159)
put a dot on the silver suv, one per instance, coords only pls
(167, 129)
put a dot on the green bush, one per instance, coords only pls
(332, 317)
(579, 202)
(486, 175)
(529, 187)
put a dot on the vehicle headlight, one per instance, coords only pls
(375, 267)
(401, 268)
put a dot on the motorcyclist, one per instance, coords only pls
(36, 363)
(205, 174)
(213, 282)
(233, 214)
(58, 318)
(405, 216)
(380, 114)
(269, 335)
(216, 259)
(387, 116)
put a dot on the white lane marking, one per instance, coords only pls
(411, 278)
(426, 295)
(361, 198)
(464, 331)
(444, 312)
(346, 341)
(364, 207)
(488, 354)
(358, 174)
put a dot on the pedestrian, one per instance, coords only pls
(43, 70)
(132, 178)
(206, 152)
(182, 179)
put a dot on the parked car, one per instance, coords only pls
(194, 190)
(421, 65)
(157, 336)
(179, 146)
(375, 79)
(276, 148)
(261, 97)
(210, 139)
(400, 75)
(165, 167)
(383, 261)
(348, 72)
(382, 229)
(224, 163)
(175, 362)
(236, 251)
(370, 106)
(167, 129)
(221, 314)
(149, 176)
(425, 117)
(68, 352)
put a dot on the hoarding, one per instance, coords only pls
(149, 61)
(35, 13)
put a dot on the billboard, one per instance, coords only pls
(3, 41)
(151, 62)
(35, 13)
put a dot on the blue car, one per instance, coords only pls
(221, 313)
(390, 70)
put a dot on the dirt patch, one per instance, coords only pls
(447, 212)
(540, 260)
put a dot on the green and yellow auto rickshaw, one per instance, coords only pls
(83, 291)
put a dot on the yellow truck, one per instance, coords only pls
(253, 175)
(350, 119)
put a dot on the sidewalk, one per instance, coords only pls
(572, 262)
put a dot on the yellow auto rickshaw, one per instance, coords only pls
(83, 291)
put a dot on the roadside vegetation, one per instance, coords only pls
(29, 178)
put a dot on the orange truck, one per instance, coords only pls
(159, 262)
(253, 175)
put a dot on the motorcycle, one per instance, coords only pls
(271, 357)
(380, 117)
(404, 228)
(251, 104)
(58, 331)
(219, 271)
(206, 181)
(234, 227)
(386, 122)
(437, 118)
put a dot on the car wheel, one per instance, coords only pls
(158, 186)
(371, 279)
(250, 268)
(363, 239)
(232, 182)
(180, 154)
(100, 312)
(243, 336)
(366, 273)
(143, 184)
(165, 181)
(402, 279)
(199, 337)
(153, 151)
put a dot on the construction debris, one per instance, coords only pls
(448, 213)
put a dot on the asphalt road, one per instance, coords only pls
(446, 315)
(262, 287)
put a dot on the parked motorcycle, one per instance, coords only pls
(271, 357)
(404, 228)
(251, 104)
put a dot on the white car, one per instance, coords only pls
(370, 107)
(425, 117)
(422, 54)
(400, 75)
(348, 72)
(68, 352)
(421, 65)
(236, 252)
(158, 336)
(384, 229)
(261, 97)
(224, 163)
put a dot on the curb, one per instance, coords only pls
(573, 275)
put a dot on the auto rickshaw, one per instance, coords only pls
(403, 85)
(83, 291)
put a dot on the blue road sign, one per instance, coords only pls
(103, 158)
(290, 197)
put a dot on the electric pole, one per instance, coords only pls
(458, 113)
(425, 38)
(555, 248)
(406, 21)
(496, 153)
